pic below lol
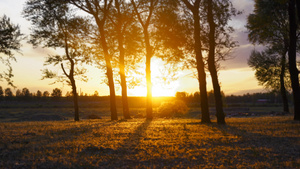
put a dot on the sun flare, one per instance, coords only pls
(159, 86)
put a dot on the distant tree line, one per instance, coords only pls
(235, 100)
(25, 93)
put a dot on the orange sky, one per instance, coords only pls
(235, 77)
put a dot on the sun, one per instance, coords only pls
(159, 87)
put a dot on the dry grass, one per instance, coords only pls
(264, 142)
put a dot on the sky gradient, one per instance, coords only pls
(235, 77)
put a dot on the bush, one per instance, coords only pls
(171, 109)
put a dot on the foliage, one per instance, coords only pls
(10, 40)
(170, 109)
(1, 91)
(8, 92)
(55, 26)
(38, 93)
(56, 92)
(46, 94)
(267, 66)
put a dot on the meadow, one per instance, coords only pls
(252, 142)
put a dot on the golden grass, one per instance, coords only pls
(259, 142)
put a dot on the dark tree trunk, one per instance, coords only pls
(200, 67)
(126, 113)
(282, 84)
(149, 113)
(298, 9)
(212, 65)
(292, 60)
(109, 73)
(75, 100)
(120, 36)
(72, 80)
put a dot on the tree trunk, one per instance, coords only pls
(298, 9)
(282, 84)
(126, 113)
(120, 37)
(109, 73)
(149, 113)
(200, 68)
(71, 78)
(292, 60)
(212, 65)
(75, 100)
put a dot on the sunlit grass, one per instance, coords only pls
(264, 142)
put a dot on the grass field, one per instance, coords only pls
(252, 142)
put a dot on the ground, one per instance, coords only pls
(251, 142)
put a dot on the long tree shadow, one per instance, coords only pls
(131, 144)
(261, 147)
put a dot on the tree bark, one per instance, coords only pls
(282, 83)
(149, 111)
(75, 100)
(126, 112)
(200, 67)
(212, 65)
(72, 80)
(109, 73)
(292, 60)
(298, 9)
(120, 37)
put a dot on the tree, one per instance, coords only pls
(39, 94)
(194, 9)
(56, 92)
(218, 15)
(18, 93)
(46, 94)
(8, 92)
(181, 95)
(1, 91)
(10, 40)
(294, 72)
(125, 32)
(25, 92)
(268, 26)
(268, 71)
(144, 11)
(57, 27)
(100, 9)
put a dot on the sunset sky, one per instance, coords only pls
(235, 77)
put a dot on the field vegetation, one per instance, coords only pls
(252, 142)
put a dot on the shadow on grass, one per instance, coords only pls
(258, 146)
(131, 144)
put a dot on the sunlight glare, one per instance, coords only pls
(159, 87)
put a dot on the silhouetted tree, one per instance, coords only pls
(193, 8)
(100, 9)
(268, 71)
(1, 91)
(38, 93)
(8, 92)
(144, 11)
(124, 29)
(268, 26)
(294, 72)
(57, 27)
(10, 38)
(46, 94)
(25, 92)
(56, 92)
(96, 93)
(18, 93)
(181, 95)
